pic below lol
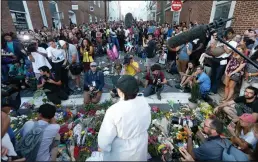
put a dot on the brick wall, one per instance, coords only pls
(6, 18)
(35, 14)
(169, 16)
(201, 11)
(246, 16)
(65, 6)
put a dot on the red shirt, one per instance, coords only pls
(161, 76)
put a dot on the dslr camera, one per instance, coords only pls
(45, 77)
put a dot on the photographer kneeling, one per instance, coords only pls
(155, 81)
(93, 84)
(52, 84)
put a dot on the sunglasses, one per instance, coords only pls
(93, 66)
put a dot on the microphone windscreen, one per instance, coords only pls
(194, 33)
(128, 20)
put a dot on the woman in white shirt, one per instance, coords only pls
(123, 134)
(38, 57)
(244, 130)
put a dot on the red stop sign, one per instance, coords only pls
(176, 5)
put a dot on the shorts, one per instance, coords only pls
(71, 75)
(151, 61)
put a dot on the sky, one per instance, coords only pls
(129, 6)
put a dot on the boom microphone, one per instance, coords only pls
(199, 32)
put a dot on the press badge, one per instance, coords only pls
(223, 62)
(93, 83)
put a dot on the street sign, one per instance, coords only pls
(75, 7)
(176, 5)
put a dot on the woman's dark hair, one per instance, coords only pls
(191, 63)
(248, 41)
(89, 42)
(32, 48)
(254, 56)
(7, 34)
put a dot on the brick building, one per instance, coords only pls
(22, 15)
(204, 12)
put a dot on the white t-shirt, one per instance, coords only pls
(226, 55)
(56, 54)
(162, 59)
(39, 60)
(249, 138)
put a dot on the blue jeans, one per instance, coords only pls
(150, 90)
(114, 40)
(217, 72)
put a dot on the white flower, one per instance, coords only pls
(13, 118)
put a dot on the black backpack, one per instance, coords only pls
(76, 68)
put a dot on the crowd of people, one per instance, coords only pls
(47, 59)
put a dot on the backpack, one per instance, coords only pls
(76, 68)
(29, 145)
(231, 153)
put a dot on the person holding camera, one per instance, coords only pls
(93, 84)
(72, 58)
(155, 81)
(131, 67)
(52, 85)
(209, 150)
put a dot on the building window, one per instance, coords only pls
(90, 18)
(94, 2)
(96, 19)
(99, 3)
(18, 15)
(222, 9)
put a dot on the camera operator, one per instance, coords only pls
(72, 58)
(155, 81)
(131, 67)
(59, 64)
(38, 57)
(210, 150)
(52, 84)
(93, 84)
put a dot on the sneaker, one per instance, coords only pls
(78, 89)
(178, 86)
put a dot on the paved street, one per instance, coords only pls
(169, 92)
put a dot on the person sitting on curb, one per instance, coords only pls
(201, 83)
(93, 84)
(155, 81)
(240, 105)
(51, 83)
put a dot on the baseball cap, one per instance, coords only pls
(93, 64)
(128, 85)
(249, 118)
(61, 42)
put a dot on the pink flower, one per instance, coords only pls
(155, 109)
